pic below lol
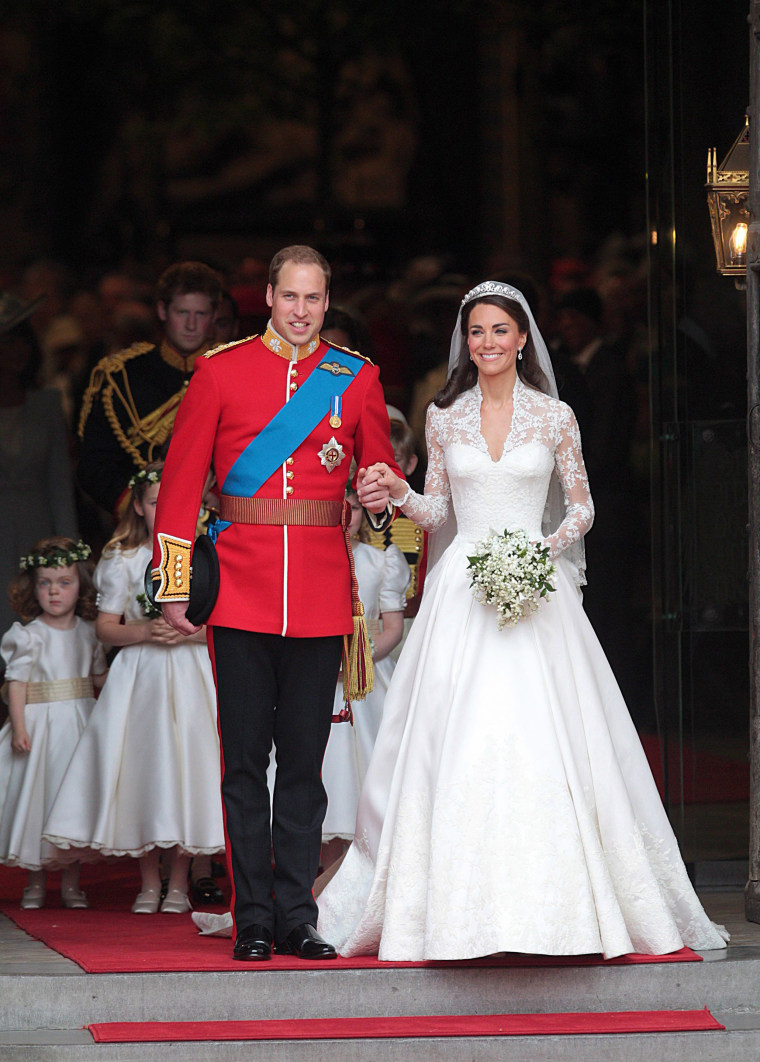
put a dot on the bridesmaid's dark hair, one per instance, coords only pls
(465, 374)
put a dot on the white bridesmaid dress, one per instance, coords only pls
(146, 772)
(36, 653)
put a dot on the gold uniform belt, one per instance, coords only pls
(292, 512)
(59, 690)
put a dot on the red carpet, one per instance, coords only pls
(707, 777)
(403, 1027)
(107, 938)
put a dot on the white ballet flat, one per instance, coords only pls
(147, 902)
(73, 898)
(33, 897)
(213, 925)
(176, 902)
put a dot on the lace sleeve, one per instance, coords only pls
(571, 471)
(430, 509)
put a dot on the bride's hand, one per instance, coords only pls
(388, 479)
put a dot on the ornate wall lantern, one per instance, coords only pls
(727, 200)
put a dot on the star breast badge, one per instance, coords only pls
(331, 454)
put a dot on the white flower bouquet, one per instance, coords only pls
(512, 573)
(149, 610)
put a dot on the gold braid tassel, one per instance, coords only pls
(358, 669)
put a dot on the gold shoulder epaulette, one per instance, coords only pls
(347, 350)
(228, 346)
(105, 368)
(113, 362)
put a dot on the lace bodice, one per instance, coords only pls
(490, 495)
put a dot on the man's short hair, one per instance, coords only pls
(300, 254)
(189, 278)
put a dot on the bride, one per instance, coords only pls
(508, 805)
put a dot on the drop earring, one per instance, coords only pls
(519, 353)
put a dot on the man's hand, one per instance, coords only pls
(174, 614)
(372, 491)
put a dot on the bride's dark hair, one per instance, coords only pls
(465, 374)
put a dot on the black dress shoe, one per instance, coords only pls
(253, 944)
(306, 943)
(205, 891)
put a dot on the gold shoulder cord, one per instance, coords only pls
(102, 372)
(152, 429)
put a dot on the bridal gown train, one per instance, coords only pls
(508, 805)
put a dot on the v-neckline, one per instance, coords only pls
(479, 396)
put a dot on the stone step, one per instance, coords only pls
(69, 1001)
(741, 1043)
(46, 1000)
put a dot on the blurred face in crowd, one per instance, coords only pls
(356, 514)
(576, 329)
(298, 302)
(188, 321)
(225, 327)
(338, 337)
(146, 508)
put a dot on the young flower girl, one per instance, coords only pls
(383, 577)
(146, 774)
(53, 660)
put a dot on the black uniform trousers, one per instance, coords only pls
(277, 688)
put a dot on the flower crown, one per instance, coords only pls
(143, 476)
(56, 557)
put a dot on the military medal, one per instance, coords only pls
(331, 454)
(335, 411)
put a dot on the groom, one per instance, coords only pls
(281, 416)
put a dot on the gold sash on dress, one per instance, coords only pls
(59, 690)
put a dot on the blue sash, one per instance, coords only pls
(289, 427)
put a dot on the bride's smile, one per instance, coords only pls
(494, 339)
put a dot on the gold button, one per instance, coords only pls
(289, 461)
(294, 387)
(290, 475)
(293, 371)
(288, 490)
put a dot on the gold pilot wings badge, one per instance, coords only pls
(335, 368)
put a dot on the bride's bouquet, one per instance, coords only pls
(512, 573)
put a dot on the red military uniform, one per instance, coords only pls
(274, 579)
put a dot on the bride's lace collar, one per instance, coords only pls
(475, 396)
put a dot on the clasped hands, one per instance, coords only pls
(374, 486)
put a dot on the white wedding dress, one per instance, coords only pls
(508, 805)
